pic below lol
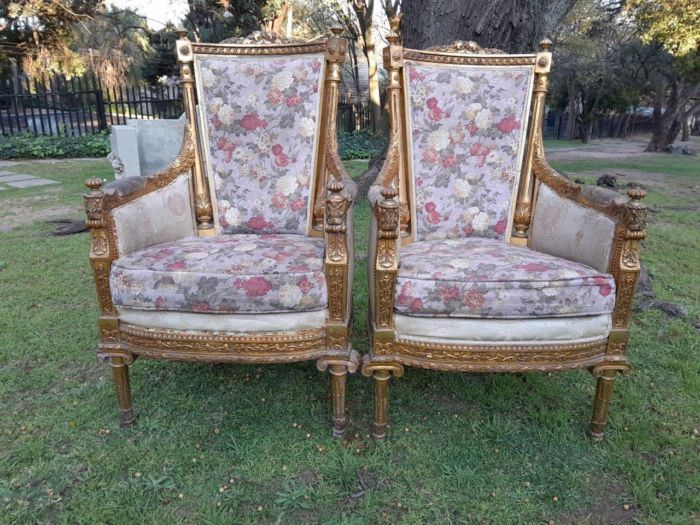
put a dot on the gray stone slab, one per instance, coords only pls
(14, 177)
(31, 183)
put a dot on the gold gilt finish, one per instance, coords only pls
(605, 358)
(121, 342)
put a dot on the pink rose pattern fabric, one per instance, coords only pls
(246, 273)
(479, 277)
(261, 115)
(468, 124)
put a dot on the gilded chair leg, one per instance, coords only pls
(381, 402)
(340, 421)
(120, 376)
(603, 392)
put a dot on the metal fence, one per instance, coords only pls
(353, 114)
(80, 105)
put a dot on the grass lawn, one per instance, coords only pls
(554, 144)
(247, 444)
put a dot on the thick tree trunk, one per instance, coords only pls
(515, 26)
(668, 124)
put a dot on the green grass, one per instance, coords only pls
(553, 144)
(464, 448)
(676, 165)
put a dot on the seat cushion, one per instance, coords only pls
(244, 273)
(489, 278)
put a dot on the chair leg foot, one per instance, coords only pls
(601, 403)
(120, 376)
(339, 374)
(381, 402)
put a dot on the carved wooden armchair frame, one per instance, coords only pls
(392, 229)
(122, 341)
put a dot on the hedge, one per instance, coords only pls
(360, 144)
(27, 146)
(357, 145)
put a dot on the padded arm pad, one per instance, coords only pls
(565, 228)
(159, 216)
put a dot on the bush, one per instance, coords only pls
(27, 146)
(360, 144)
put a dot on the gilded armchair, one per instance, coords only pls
(240, 251)
(483, 258)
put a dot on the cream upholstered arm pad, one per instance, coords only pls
(162, 215)
(565, 228)
(374, 194)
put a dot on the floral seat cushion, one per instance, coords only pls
(487, 278)
(228, 274)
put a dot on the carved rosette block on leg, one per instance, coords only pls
(339, 368)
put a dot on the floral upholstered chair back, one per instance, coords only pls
(261, 117)
(467, 127)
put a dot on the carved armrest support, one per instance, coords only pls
(390, 173)
(386, 258)
(626, 264)
(335, 167)
(337, 261)
(102, 253)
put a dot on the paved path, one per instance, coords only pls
(19, 180)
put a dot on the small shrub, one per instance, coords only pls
(360, 144)
(26, 146)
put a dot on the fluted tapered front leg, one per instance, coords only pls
(381, 403)
(120, 376)
(339, 374)
(603, 392)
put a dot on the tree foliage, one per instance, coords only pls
(673, 23)
(38, 33)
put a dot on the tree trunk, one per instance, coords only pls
(515, 26)
(375, 103)
(571, 122)
(685, 136)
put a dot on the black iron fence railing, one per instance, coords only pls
(82, 105)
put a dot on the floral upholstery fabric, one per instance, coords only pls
(490, 278)
(246, 273)
(468, 126)
(261, 126)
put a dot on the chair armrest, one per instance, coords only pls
(606, 201)
(121, 191)
(135, 212)
(591, 225)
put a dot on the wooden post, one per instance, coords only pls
(202, 198)
(523, 208)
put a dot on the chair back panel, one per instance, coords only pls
(261, 117)
(466, 137)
